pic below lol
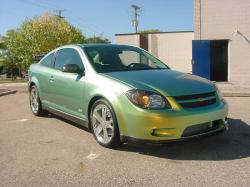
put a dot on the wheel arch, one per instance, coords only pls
(31, 84)
(95, 98)
(92, 101)
(35, 82)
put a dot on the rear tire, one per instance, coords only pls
(35, 102)
(104, 125)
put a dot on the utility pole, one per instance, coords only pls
(135, 21)
(59, 13)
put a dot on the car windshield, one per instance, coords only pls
(121, 58)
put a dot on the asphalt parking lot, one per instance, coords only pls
(49, 151)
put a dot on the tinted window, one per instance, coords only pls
(47, 61)
(67, 56)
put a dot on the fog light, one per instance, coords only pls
(166, 132)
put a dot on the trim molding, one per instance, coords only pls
(68, 116)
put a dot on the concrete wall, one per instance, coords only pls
(133, 40)
(173, 48)
(227, 19)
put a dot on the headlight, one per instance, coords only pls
(147, 99)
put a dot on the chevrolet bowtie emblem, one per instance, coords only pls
(200, 99)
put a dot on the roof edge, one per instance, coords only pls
(153, 33)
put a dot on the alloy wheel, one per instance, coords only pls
(103, 123)
(34, 102)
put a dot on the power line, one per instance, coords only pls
(34, 4)
(44, 5)
(135, 21)
(71, 14)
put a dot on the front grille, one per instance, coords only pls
(196, 100)
(195, 96)
(201, 128)
(198, 103)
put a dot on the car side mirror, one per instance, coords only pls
(72, 68)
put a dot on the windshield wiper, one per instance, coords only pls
(147, 68)
(132, 69)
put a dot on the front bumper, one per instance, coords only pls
(221, 129)
(168, 125)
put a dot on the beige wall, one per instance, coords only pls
(227, 19)
(175, 49)
(133, 40)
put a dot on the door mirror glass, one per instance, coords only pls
(72, 68)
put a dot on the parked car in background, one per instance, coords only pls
(123, 93)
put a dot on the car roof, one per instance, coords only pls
(98, 44)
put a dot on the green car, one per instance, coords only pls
(123, 93)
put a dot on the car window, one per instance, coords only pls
(130, 57)
(68, 56)
(121, 58)
(47, 61)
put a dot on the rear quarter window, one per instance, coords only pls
(47, 61)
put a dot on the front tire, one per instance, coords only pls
(35, 102)
(104, 125)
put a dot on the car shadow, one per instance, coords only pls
(50, 115)
(230, 145)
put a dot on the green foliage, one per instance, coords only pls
(150, 31)
(39, 36)
(2, 44)
(96, 39)
(7, 60)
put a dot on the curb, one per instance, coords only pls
(8, 92)
(236, 94)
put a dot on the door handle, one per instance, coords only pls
(51, 79)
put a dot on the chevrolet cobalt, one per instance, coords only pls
(123, 93)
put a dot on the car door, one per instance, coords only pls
(43, 76)
(68, 88)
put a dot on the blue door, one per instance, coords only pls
(201, 62)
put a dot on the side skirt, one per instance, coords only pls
(67, 116)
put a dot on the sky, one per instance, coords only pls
(102, 17)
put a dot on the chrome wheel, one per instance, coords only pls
(102, 123)
(34, 100)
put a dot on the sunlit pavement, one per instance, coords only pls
(49, 151)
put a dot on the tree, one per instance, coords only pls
(8, 62)
(3, 54)
(39, 36)
(97, 39)
(2, 45)
(150, 31)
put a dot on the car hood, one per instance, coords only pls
(167, 82)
